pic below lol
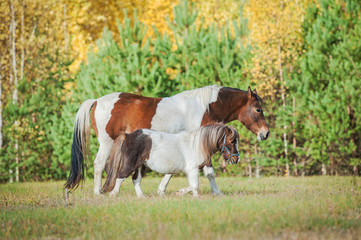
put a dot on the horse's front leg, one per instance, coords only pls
(209, 172)
(163, 184)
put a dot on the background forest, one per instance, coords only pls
(303, 57)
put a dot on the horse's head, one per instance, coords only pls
(228, 145)
(251, 116)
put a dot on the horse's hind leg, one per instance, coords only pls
(99, 164)
(137, 178)
(163, 184)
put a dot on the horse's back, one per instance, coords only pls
(123, 112)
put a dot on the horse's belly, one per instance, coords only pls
(166, 164)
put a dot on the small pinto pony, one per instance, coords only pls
(118, 113)
(168, 154)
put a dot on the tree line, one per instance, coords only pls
(303, 57)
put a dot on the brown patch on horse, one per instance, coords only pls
(251, 115)
(92, 118)
(234, 104)
(226, 108)
(129, 152)
(139, 112)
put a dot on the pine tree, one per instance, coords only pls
(330, 85)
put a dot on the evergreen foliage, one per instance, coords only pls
(329, 85)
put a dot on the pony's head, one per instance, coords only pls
(229, 145)
(219, 137)
(251, 116)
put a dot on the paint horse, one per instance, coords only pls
(168, 153)
(118, 113)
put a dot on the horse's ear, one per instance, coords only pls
(249, 92)
(254, 91)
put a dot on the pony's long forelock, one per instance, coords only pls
(211, 137)
(114, 165)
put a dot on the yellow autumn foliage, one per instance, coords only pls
(275, 31)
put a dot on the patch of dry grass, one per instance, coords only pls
(293, 208)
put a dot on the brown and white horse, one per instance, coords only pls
(162, 152)
(119, 113)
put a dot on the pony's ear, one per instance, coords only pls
(249, 92)
(254, 91)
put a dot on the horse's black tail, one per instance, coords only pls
(80, 147)
(115, 163)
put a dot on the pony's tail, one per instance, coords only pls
(80, 146)
(115, 164)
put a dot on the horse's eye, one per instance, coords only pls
(258, 110)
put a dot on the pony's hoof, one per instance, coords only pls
(161, 192)
(113, 194)
(180, 193)
(218, 194)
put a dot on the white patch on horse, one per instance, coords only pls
(185, 110)
(103, 113)
(102, 116)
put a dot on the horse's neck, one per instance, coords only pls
(227, 107)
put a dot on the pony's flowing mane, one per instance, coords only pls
(203, 96)
(211, 138)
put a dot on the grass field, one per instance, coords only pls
(266, 208)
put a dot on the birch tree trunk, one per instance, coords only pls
(65, 28)
(284, 107)
(295, 171)
(323, 170)
(257, 162)
(15, 94)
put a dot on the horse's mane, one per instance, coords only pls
(212, 136)
(258, 98)
(203, 96)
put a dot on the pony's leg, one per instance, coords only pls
(193, 184)
(163, 184)
(116, 188)
(99, 164)
(193, 181)
(184, 191)
(137, 178)
(209, 172)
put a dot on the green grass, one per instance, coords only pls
(282, 208)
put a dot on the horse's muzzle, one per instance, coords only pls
(264, 137)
